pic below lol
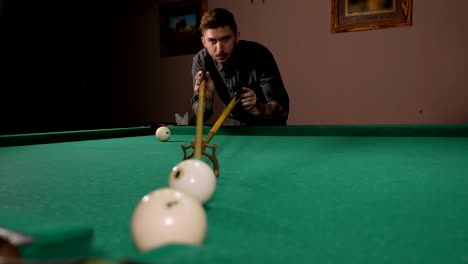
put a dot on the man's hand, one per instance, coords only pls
(248, 99)
(209, 84)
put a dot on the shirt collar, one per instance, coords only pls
(227, 66)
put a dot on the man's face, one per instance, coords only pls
(220, 42)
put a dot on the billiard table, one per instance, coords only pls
(292, 194)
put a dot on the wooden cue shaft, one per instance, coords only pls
(221, 120)
(199, 131)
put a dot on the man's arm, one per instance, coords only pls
(271, 111)
(275, 108)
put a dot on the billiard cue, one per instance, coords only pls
(222, 118)
(199, 131)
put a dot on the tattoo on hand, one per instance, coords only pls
(272, 110)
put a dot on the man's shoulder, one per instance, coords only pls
(201, 55)
(253, 46)
(254, 51)
(202, 61)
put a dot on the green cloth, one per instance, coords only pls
(289, 194)
(53, 238)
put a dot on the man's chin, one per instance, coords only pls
(221, 59)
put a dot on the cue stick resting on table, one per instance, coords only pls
(223, 117)
(199, 145)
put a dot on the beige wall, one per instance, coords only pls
(415, 75)
(78, 66)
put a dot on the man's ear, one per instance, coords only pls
(203, 41)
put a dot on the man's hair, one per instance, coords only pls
(216, 18)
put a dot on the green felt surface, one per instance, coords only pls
(52, 238)
(296, 198)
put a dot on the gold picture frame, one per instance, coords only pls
(359, 15)
(179, 22)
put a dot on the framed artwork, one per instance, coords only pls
(358, 15)
(179, 22)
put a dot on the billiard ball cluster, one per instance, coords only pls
(175, 214)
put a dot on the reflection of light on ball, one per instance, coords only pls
(163, 133)
(193, 177)
(166, 216)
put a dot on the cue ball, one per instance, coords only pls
(163, 133)
(193, 177)
(167, 216)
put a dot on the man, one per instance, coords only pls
(229, 65)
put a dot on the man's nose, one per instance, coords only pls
(219, 46)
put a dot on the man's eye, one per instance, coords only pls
(226, 39)
(212, 41)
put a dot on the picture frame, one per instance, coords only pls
(360, 15)
(179, 23)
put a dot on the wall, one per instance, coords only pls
(68, 65)
(415, 75)
(92, 64)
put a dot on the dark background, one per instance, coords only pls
(64, 64)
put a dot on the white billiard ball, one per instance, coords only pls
(167, 216)
(193, 177)
(163, 133)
